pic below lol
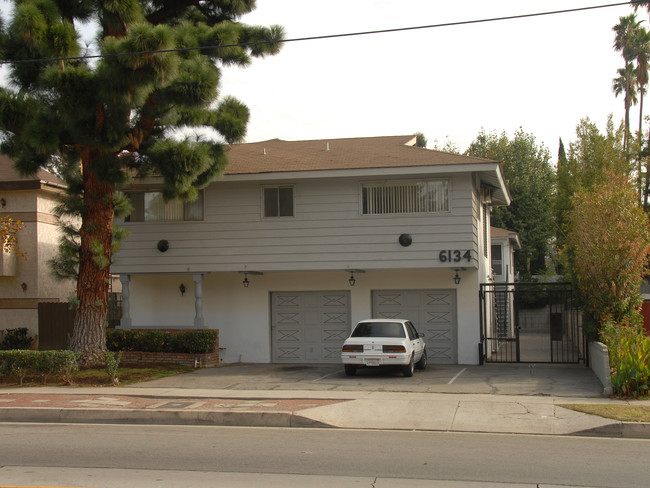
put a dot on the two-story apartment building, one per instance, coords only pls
(24, 283)
(298, 241)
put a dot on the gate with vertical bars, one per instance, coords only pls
(531, 323)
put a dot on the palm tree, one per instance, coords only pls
(625, 83)
(641, 52)
(625, 31)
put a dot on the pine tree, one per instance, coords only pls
(105, 119)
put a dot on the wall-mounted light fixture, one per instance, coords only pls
(182, 289)
(245, 282)
(3, 202)
(352, 280)
(23, 285)
(457, 278)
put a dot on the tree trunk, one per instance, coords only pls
(89, 332)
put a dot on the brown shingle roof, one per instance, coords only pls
(11, 179)
(276, 155)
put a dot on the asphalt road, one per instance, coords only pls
(161, 453)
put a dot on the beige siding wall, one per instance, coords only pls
(327, 232)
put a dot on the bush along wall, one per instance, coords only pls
(195, 348)
(19, 362)
(629, 358)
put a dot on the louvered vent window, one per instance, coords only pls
(151, 206)
(406, 197)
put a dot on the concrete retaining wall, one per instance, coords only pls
(599, 360)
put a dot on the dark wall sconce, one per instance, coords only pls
(182, 289)
(163, 245)
(352, 280)
(457, 278)
(23, 285)
(3, 202)
(245, 282)
(405, 240)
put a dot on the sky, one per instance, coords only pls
(541, 74)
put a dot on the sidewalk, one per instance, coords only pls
(444, 412)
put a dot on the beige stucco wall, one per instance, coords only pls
(31, 280)
(242, 315)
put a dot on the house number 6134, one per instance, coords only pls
(454, 256)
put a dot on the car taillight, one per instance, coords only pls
(393, 349)
(353, 348)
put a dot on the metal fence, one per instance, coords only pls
(530, 322)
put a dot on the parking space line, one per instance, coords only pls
(454, 378)
(326, 376)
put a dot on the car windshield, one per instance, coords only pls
(379, 329)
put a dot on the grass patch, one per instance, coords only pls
(624, 413)
(99, 376)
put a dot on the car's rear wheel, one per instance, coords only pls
(422, 363)
(350, 370)
(410, 369)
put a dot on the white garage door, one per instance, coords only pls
(433, 312)
(309, 327)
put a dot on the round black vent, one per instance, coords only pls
(405, 240)
(163, 245)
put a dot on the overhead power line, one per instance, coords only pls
(327, 36)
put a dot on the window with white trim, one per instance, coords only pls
(278, 201)
(150, 206)
(405, 197)
(497, 260)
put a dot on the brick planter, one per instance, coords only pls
(186, 359)
(192, 360)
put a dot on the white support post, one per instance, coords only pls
(199, 320)
(125, 321)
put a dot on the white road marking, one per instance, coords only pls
(454, 378)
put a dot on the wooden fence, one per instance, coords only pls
(55, 321)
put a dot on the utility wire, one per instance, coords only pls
(328, 36)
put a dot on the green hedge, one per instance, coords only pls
(190, 341)
(16, 339)
(629, 358)
(17, 363)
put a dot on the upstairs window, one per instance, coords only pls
(150, 206)
(278, 201)
(497, 260)
(406, 197)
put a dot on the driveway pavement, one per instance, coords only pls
(492, 398)
(501, 379)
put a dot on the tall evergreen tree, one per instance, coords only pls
(104, 120)
(530, 180)
(590, 157)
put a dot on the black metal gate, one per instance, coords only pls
(531, 323)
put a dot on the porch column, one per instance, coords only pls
(199, 320)
(125, 321)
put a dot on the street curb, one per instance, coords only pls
(159, 417)
(628, 430)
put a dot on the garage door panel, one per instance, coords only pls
(309, 326)
(433, 312)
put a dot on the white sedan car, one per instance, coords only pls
(384, 342)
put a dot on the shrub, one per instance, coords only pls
(190, 341)
(18, 362)
(629, 358)
(16, 339)
(112, 365)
